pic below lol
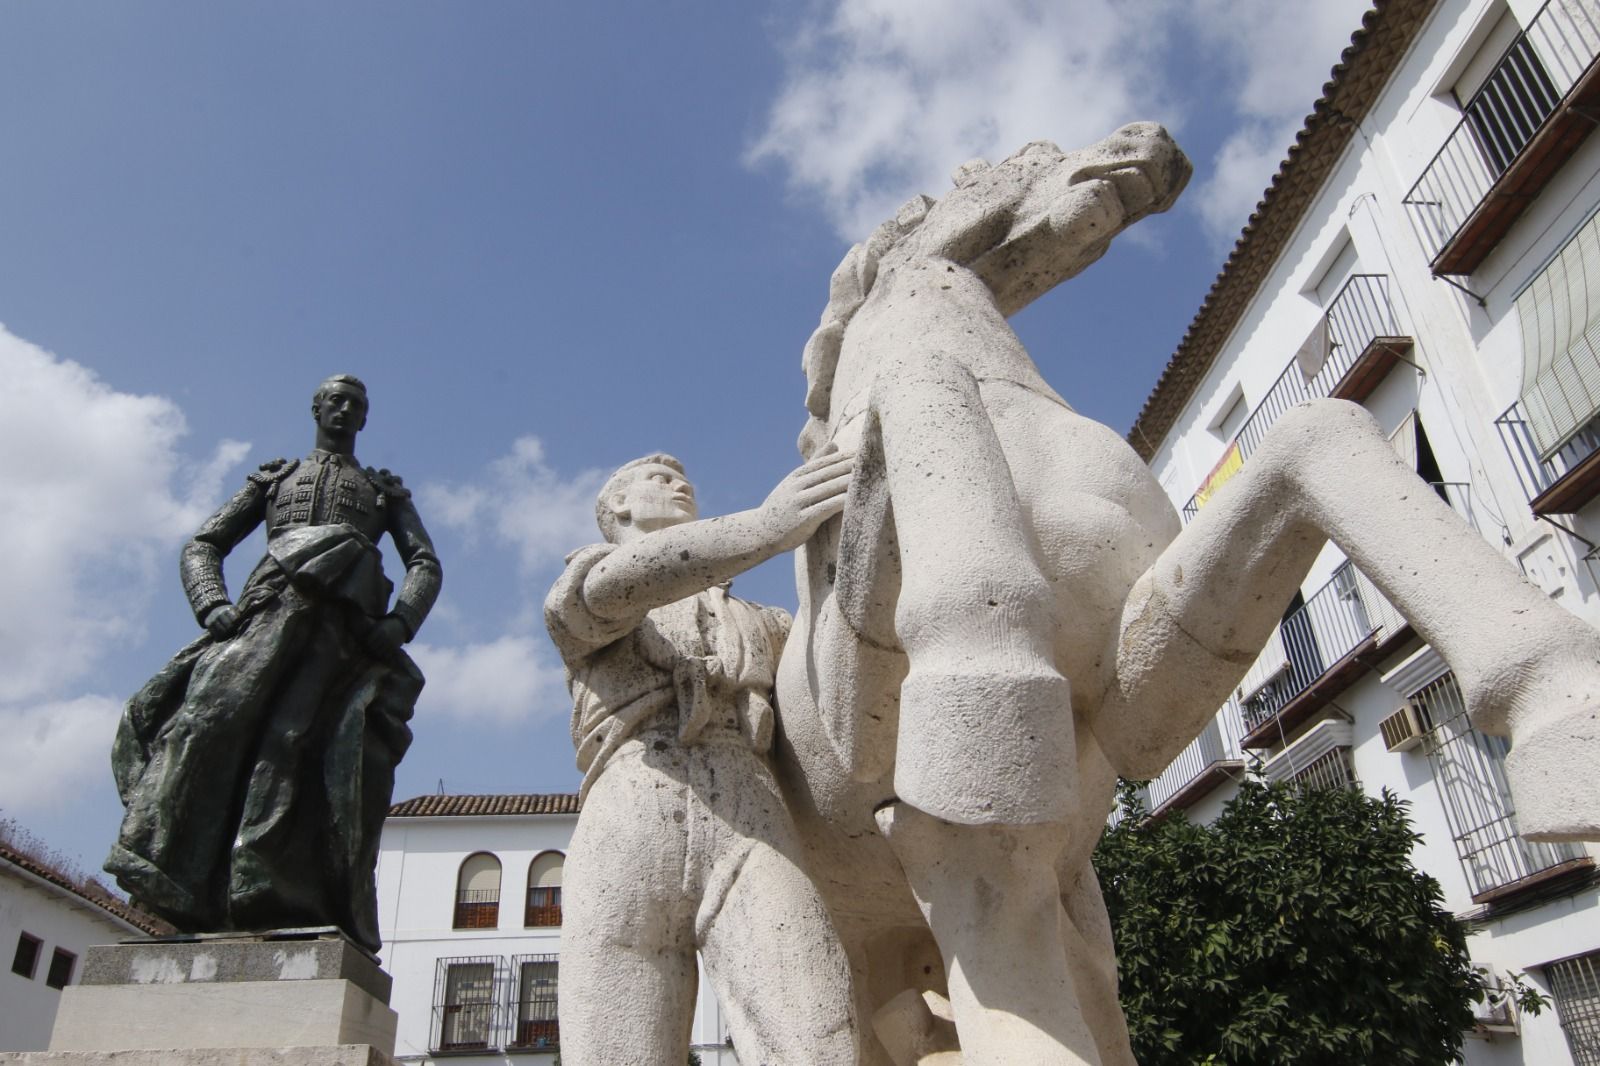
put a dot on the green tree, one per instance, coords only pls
(1292, 929)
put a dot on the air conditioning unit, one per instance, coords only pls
(1403, 730)
(1495, 1015)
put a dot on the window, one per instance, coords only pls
(1332, 769)
(60, 975)
(1575, 986)
(537, 982)
(1559, 312)
(26, 960)
(478, 892)
(1505, 93)
(464, 1005)
(1469, 770)
(1231, 416)
(544, 890)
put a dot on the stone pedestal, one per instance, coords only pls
(291, 998)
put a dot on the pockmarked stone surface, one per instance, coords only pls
(257, 766)
(1008, 615)
(212, 960)
(684, 844)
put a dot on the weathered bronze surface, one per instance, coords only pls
(256, 767)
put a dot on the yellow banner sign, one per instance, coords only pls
(1226, 467)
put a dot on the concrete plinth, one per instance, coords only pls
(286, 993)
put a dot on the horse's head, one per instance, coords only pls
(1022, 226)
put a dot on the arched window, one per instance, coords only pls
(544, 889)
(478, 892)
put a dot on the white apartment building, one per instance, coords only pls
(1431, 249)
(469, 908)
(47, 921)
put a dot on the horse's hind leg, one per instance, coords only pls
(990, 895)
(985, 732)
(1193, 623)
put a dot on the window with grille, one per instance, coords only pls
(544, 890)
(538, 978)
(465, 1010)
(26, 960)
(1469, 770)
(478, 892)
(1332, 769)
(60, 972)
(1575, 986)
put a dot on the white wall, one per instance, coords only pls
(1472, 360)
(61, 920)
(418, 861)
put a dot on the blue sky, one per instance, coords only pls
(550, 237)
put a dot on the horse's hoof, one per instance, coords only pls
(1554, 772)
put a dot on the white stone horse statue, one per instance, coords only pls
(1008, 616)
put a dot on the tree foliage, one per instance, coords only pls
(1292, 929)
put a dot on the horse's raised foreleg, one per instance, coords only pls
(1195, 621)
(985, 732)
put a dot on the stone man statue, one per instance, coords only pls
(257, 766)
(684, 843)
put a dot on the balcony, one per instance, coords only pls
(1210, 759)
(1533, 111)
(1469, 769)
(544, 907)
(477, 909)
(466, 1009)
(1354, 345)
(1568, 479)
(536, 1008)
(1317, 653)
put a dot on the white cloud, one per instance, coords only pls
(511, 679)
(52, 748)
(98, 496)
(523, 502)
(885, 97)
(882, 98)
(1281, 55)
(89, 482)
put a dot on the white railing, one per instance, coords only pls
(1217, 742)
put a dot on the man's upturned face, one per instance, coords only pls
(657, 497)
(341, 409)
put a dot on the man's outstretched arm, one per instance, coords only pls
(669, 564)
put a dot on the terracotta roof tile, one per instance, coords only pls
(502, 803)
(110, 904)
(1387, 31)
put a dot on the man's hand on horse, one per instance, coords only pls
(811, 494)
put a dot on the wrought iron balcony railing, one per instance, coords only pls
(1356, 341)
(1469, 768)
(1514, 133)
(466, 1003)
(1209, 759)
(1318, 652)
(1561, 484)
(536, 1007)
(477, 909)
(544, 907)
